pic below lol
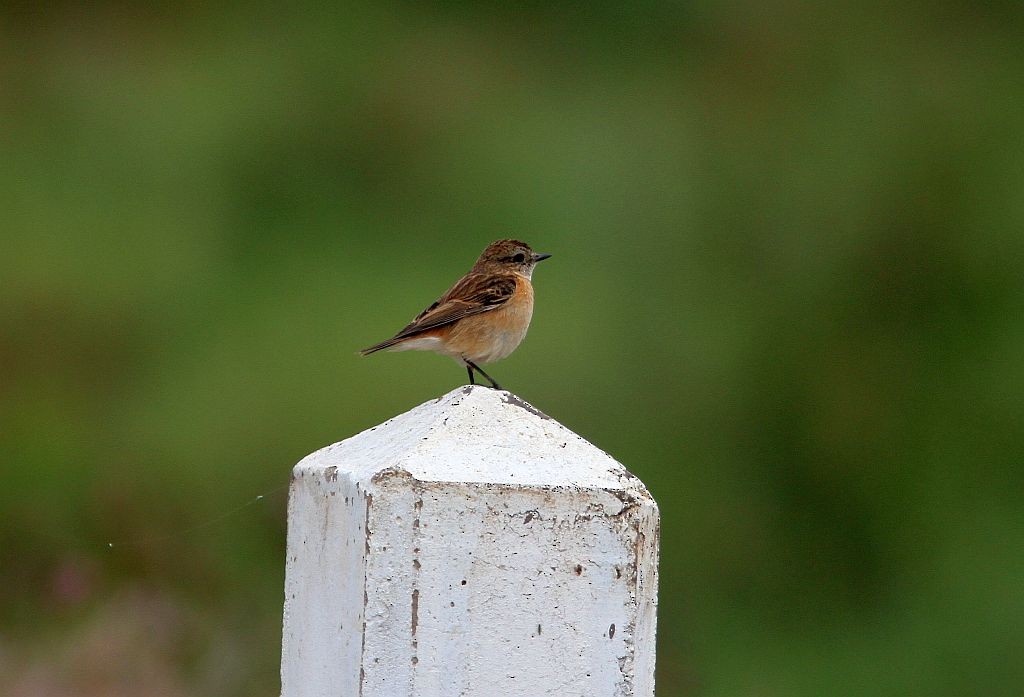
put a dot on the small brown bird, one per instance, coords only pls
(483, 317)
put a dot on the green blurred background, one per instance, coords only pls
(786, 292)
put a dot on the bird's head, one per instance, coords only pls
(505, 256)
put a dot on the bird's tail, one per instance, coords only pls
(379, 347)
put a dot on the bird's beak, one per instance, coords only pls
(540, 257)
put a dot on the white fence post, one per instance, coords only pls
(471, 547)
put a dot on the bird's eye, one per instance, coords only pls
(519, 258)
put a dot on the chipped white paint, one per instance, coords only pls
(471, 547)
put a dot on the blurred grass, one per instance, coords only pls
(786, 292)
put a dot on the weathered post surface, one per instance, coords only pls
(471, 547)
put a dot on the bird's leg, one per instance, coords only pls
(469, 369)
(473, 366)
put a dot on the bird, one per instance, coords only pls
(480, 319)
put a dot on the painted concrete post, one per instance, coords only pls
(471, 547)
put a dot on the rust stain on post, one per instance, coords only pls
(366, 596)
(415, 610)
(515, 401)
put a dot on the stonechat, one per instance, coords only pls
(483, 317)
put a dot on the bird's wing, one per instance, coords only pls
(473, 294)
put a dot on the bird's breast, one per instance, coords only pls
(493, 335)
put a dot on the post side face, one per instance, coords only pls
(324, 591)
(477, 590)
(646, 523)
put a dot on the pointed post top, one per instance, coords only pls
(475, 434)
